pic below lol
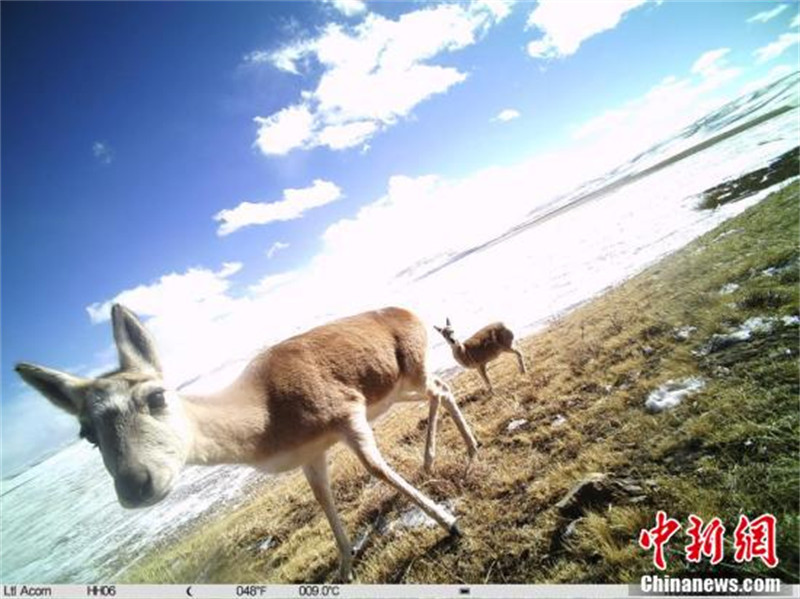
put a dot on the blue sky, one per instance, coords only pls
(234, 171)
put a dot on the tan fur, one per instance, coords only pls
(482, 347)
(308, 386)
(289, 405)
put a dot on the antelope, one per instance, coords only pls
(289, 406)
(483, 347)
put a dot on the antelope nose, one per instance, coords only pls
(134, 487)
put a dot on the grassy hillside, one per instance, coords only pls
(730, 448)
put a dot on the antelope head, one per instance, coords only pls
(136, 422)
(446, 332)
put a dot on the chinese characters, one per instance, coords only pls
(752, 539)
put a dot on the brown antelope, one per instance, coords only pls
(288, 407)
(483, 347)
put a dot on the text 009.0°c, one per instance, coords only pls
(318, 590)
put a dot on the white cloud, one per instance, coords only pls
(199, 322)
(566, 25)
(499, 8)
(339, 137)
(287, 129)
(197, 287)
(776, 48)
(349, 8)
(103, 152)
(270, 283)
(288, 58)
(184, 312)
(796, 21)
(606, 121)
(768, 15)
(509, 114)
(276, 247)
(777, 72)
(424, 219)
(294, 204)
(373, 74)
(257, 57)
(710, 62)
(673, 103)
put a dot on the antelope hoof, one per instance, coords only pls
(345, 574)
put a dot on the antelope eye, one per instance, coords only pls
(156, 400)
(87, 433)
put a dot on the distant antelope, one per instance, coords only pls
(483, 347)
(287, 408)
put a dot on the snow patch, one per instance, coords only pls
(414, 517)
(755, 325)
(761, 324)
(683, 333)
(773, 271)
(726, 233)
(266, 544)
(671, 393)
(515, 424)
(729, 288)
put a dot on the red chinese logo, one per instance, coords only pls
(658, 536)
(705, 541)
(755, 538)
(752, 539)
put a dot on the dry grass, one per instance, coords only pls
(732, 448)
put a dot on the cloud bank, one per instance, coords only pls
(665, 108)
(768, 15)
(566, 26)
(373, 74)
(198, 289)
(294, 204)
(776, 48)
(349, 8)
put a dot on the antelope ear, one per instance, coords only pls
(136, 348)
(437, 328)
(447, 321)
(60, 388)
